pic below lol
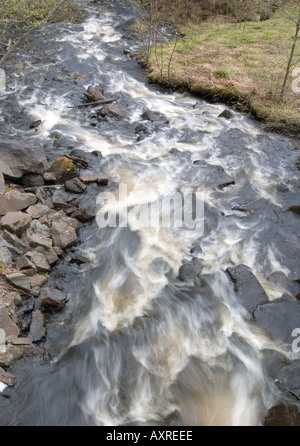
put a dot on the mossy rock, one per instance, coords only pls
(64, 169)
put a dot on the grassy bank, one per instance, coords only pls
(242, 64)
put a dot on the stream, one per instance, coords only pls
(157, 331)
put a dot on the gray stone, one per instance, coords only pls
(33, 180)
(17, 299)
(7, 378)
(38, 211)
(37, 280)
(24, 263)
(5, 256)
(279, 318)
(63, 234)
(248, 290)
(16, 201)
(19, 281)
(16, 222)
(58, 251)
(49, 178)
(51, 256)
(37, 328)
(2, 184)
(35, 291)
(40, 261)
(18, 351)
(39, 228)
(35, 240)
(2, 80)
(75, 185)
(7, 324)
(53, 299)
(15, 241)
(19, 156)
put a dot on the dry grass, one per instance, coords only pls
(243, 64)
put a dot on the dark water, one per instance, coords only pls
(140, 344)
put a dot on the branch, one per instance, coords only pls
(101, 102)
(30, 31)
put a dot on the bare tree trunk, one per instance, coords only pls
(291, 58)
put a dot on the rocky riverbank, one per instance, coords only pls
(42, 208)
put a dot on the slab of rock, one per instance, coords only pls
(279, 318)
(19, 157)
(101, 179)
(15, 352)
(39, 228)
(24, 262)
(53, 299)
(16, 201)
(283, 414)
(37, 280)
(37, 328)
(19, 281)
(63, 234)
(36, 240)
(5, 256)
(40, 261)
(16, 222)
(249, 291)
(15, 241)
(7, 378)
(51, 257)
(37, 211)
(75, 186)
(7, 324)
(49, 178)
(2, 184)
(112, 111)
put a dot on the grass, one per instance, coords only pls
(241, 64)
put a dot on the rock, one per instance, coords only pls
(2, 80)
(81, 156)
(33, 180)
(63, 235)
(16, 222)
(37, 329)
(15, 241)
(75, 185)
(154, 117)
(64, 169)
(17, 299)
(58, 250)
(85, 214)
(37, 280)
(53, 299)
(111, 111)
(19, 157)
(2, 184)
(289, 379)
(15, 201)
(248, 290)
(7, 378)
(79, 260)
(279, 318)
(213, 176)
(14, 352)
(24, 263)
(283, 414)
(35, 124)
(19, 281)
(62, 200)
(38, 211)
(189, 271)
(295, 209)
(5, 256)
(36, 291)
(40, 261)
(94, 94)
(39, 228)
(227, 114)
(51, 256)
(36, 240)
(7, 324)
(99, 179)
(49, 178)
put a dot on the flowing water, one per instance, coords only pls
(140, 345)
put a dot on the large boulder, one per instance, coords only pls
(64, 169)
(16, 201)
(19, 157)
(248, 290)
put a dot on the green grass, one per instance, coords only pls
(253, 59)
